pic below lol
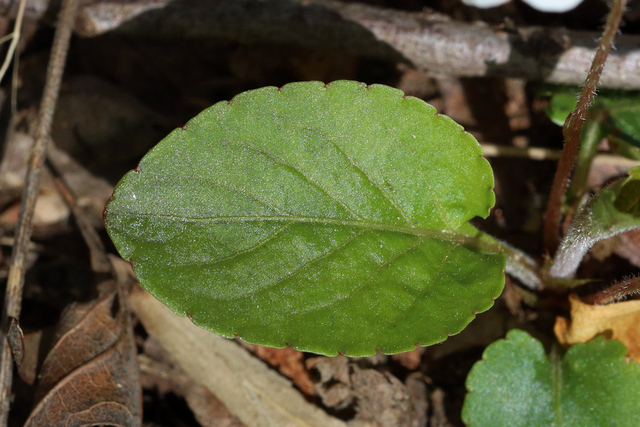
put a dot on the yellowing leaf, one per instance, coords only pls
(616, 321)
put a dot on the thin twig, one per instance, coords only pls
(24, 227)
(15, 38)
(99, 260)
(540, 153)
(573, 127)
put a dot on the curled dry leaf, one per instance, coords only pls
(90, 376)
(617, 321)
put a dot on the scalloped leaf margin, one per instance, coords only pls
(329, 218)
(516, 384)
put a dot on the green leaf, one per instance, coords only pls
(624, 112)
(612, 211)
(562, 103)
(515, 384)
(331, 218)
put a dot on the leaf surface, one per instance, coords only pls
(330, 218)
(515, 384)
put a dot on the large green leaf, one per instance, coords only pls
(515, 384)
(331, 218)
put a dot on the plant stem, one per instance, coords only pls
(591, 136)
(24, 227)
(615, 292)
(573, 127)
(519, 264)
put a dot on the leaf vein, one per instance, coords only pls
(373, 183)
(258, 245)
(367, 280)
(312, 181)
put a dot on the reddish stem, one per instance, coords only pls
(573, 127)
(615, 292)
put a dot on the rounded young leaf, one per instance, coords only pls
(515, 384)
(331, 218)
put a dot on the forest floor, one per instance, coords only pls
(126, 88)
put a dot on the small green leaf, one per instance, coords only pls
(624, 112)
(515, 384)
(562, 103)
(612, 211)
(331, 218)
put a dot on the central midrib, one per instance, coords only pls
(363, 224)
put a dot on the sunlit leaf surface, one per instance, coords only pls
(328, 218)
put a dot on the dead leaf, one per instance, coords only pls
(410, 359)
(288, 362)
(90, 376)
(252, 391)
(35, 346)
(616, 321)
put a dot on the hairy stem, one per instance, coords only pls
(591, 136)
(615, 292)
(573, 127)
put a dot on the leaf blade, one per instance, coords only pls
(301, 187)
(517, 385)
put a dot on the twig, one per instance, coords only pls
(99, 260)
(24, 227)
(426, 40)
(15, 37)
(573, 127)
(539, 153)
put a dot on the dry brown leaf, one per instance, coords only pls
(289, 363)
(410, 359)
(90, 376)
(616, 321)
